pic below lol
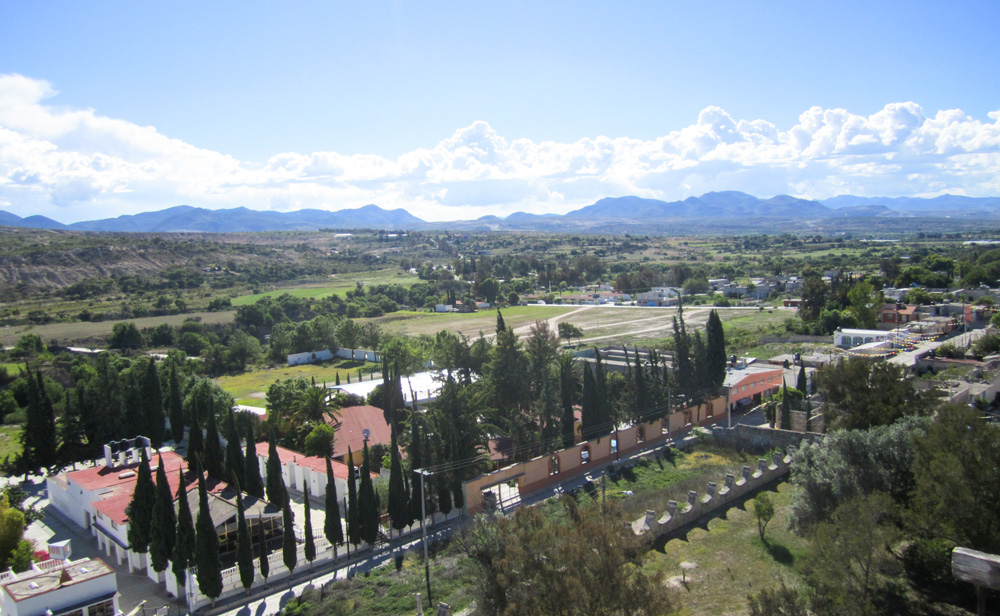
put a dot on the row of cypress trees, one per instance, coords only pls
(193, 542)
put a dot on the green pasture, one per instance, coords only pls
(338, 284)
(249, 388)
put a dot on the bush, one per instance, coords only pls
(927, 563)
(319, 442)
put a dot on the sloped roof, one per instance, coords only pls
(315, 463)
(352, 423)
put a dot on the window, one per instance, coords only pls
(554, 465)
(105, 608)
(614, 445)
(858, 340)
(585, 454)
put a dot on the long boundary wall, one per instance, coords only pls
(544, 471)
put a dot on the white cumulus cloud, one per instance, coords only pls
(75, 164)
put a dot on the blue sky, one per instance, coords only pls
(455, 109)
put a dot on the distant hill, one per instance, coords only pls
(712, 213)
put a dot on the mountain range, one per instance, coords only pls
(714, 211)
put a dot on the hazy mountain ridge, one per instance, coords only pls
(724, 209)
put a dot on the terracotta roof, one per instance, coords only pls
(350, 428)
(92, 479)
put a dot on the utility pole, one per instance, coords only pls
(423, 530)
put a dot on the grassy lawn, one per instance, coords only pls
(243, 387)
(10, 440)
(12, 369)
(338, 284)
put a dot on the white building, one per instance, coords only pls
(299, 470)
(86, 587)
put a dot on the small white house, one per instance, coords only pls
(86, 587)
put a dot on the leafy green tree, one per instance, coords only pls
(489, 288)
(12, 525)
(126, 336)
(244, 546)
(140, 510)
(253, 484)
(851, 556)
(163, 527)
(568, 331)
(956, 467)
(319, 441)
(866, 304)
(850, 463)
(802, 382)
(206, 550)
(289, 550)
(184, 542)
(196, 440)
(332, 527)
(861, 393)
(152, 403)
(313, 405)
(763, 510)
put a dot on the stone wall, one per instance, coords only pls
(681, 515)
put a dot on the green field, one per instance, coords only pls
(471, 323)
(85, 333)
(10, 441)
(338, 284)
(249, 388)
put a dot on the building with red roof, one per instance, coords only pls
(299, 470)
(350, 426)
(96, 499)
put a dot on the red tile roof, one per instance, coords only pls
(350, 428)
(115, 492)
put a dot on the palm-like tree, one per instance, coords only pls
(314, 405)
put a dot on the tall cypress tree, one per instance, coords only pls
(214, 457)
(802, 384)
(265, 565)
(332, 527)
(500, 323)
(235, 462)
(140, 510)
(185, 539)
(367, 502)
(416, 462)
(399, 506)
(310, 546)
(252, 482)
(276, 492)
(683, 365)
(163, 530)
(786, 407)
(206, 551)
(152, 399)
(196, 441)
(289, 551)
(175, 406)
(39, 436)
(353, 521)
(244, 547)
(568, 383)
(588, 405)
(716, 350)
